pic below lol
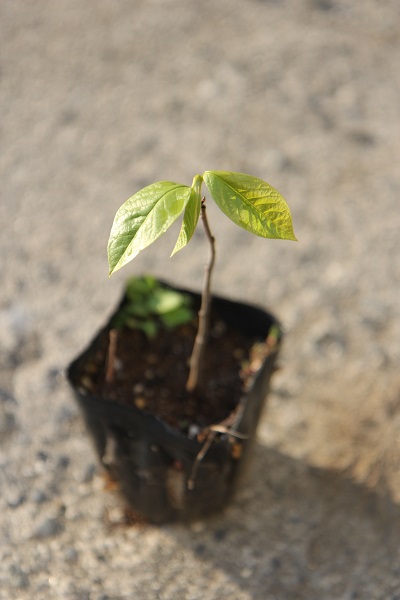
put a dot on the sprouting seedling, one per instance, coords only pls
(149, 305)
(248, 201)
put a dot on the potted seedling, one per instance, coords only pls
(173, 386)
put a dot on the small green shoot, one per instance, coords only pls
(150, 305)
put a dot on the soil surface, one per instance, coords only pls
(151, 374)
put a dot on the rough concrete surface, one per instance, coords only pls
(101, 98)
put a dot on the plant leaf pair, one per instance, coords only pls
(248, 201)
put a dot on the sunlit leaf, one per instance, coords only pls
(191, 216)
(143, 218)
(251, 203)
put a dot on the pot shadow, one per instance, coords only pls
(294, 531)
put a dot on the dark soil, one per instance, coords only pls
(152, 374)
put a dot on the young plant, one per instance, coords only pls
(149, 305)
(248, 201)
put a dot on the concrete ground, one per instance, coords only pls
(101, 98)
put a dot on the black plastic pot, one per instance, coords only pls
(153, 462)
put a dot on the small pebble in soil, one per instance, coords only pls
(138, 388)
(177, 465)
(140, 402)
(219, 329)
(87, 383)
(236, 450)
(193, 432)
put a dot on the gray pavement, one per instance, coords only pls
(101, 98)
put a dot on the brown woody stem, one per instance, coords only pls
(200, 342)
(111, 354)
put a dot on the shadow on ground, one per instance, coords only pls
(301, 533)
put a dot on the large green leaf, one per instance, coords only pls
(191, 215)
(143, 218)
(251, 203)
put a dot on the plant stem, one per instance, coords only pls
(111, 353)
(200, 342)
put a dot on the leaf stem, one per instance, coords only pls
(197, 356)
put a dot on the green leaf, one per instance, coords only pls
(148, 327)
(143, 218)
(149, 304)
(180, 316)
(137, 309)
(251, 203)
(164, 300)
(119, 320)
(140, 286)
(191, 215)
